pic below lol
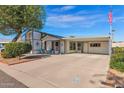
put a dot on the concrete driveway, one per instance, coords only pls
(68, 70)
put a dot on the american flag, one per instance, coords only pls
(110, 17)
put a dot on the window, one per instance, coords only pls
(95, 45)
(72, 46)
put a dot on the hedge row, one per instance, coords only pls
(15, 49)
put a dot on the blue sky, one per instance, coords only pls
(83, 20)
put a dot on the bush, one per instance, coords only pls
(117, 59)
(15, 49)
(116, 50)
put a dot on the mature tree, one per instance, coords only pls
(18, 19)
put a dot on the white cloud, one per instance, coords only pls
(118, 19)
(65, 18)
(64, 21)
(64, 8)
(86, 12)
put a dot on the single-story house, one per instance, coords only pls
(118, 44)
(58, 44)
(3, 42)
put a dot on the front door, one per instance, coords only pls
(57, 47)
(52, 45)
(80, 47)
(45, 45)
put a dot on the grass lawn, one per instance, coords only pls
(117, 66)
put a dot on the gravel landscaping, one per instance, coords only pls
(7, 81)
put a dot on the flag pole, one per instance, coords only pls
(110, 45)
(110, 33)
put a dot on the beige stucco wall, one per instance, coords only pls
(67, 46)
(85, 47)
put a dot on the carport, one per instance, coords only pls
(96, 45)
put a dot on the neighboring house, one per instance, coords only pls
(4, 41)
(118, 44)
(58, 44)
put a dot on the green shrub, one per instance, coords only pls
(15, 49)
(118, 50)
(117, 59)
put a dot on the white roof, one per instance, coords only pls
(4, 40)
(118, 44)
(102, 38)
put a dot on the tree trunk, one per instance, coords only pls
(16, 37)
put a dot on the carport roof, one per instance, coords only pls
(88, 38)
